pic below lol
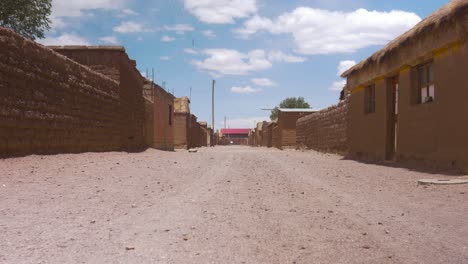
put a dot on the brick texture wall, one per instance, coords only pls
(149, 126)
(325, 130)
(51, 104)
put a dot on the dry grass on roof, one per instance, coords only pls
(451, 11)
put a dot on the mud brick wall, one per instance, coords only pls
(114, 62)
(325, 130)
(194, 132)
(149, 126)
(51, 104)
(181, 130)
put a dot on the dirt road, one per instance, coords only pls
(225, 205)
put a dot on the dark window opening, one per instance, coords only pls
(369, 99)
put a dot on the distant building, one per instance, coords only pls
(283, 133)
(235, 136)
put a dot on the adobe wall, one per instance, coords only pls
(194, 131)
(367, 132)
(51, 104)
(181, 130)
(276, 136)
(115, 62)
(149, 125)
(287, 127)
(266, 135)
(164, 120)
(204, 135)
(325, 130)
(436, 133)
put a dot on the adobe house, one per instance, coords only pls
(113, 61)
(160, 122)
(286, 126)
(408, 100)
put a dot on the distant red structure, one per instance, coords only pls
(234, 136)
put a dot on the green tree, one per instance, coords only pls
(29, 18)
(291, 102)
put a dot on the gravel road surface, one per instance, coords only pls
(225, 205)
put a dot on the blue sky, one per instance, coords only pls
(258, 51)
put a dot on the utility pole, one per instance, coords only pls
(212, 106)
(190, 97)
(224, 122)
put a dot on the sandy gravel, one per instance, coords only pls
(225, 205)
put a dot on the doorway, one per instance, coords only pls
(392, 110)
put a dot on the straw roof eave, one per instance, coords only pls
(452, 10)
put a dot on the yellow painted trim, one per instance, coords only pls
(444, 50)
(379, 79)
(357, 89)
(405, 69)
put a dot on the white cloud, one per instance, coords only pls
(318, 31)
(128, 12)
(209, 34)
(338, 85)
(264, 82)
(165, 58)
(64, 39)
(220, 11)
(245, 90)
(109, 39)
(342, 67)
(167, 39)
(57, 23)
(345, 65)
(243, 122)
(233, 62)
(131, 27)
(190, 51)
(282, 57)
(67, 8)
(179, 28)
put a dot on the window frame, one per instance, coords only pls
(425, 79)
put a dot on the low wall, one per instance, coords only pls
(325, 130)
(51, 104)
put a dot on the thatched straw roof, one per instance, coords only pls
(455, 9)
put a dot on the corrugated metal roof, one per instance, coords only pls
(296, 110)
(235, 131)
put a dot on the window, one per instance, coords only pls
(170, 115)
(369, 99)
(426, 87)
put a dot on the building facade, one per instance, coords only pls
(407, 100)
